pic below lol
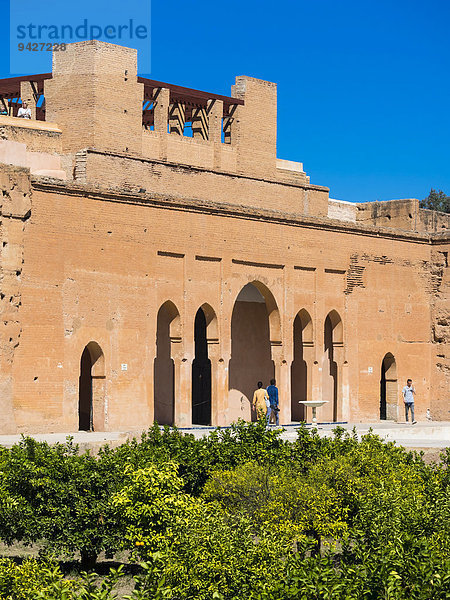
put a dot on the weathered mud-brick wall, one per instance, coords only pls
(440, 274)
(15, 210)
(95, 98)
(434, 221)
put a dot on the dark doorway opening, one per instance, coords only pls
(388, 389)
(164, 367)
(85, 392)
(299, 371)
(201, 373)
(332, 370)
(383, 393)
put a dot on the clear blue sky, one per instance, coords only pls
(363, 86)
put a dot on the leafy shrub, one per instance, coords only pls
(35, 580)
(152, 507)
(196, 551)
(196, 458)
(279, 498)
(60, 497)
(24, 581)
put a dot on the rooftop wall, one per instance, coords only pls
(35, 145)
(138, 174)
(342, 211)
(402, 214)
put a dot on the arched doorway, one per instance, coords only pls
(255, 328)
(388, 389)
(167, 334)
(303, 339)
(91, 389)
(201, 372)
(333, 342)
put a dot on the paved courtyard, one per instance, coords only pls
(425, 436)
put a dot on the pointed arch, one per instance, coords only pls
(336, 326)
(205, 336)
(168, 339)
(331, 384)
(255, 330)
(272, 310)
(388, 388)
(303, 337)
(212, 326)
(91, 389)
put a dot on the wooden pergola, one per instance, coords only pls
(194, 102)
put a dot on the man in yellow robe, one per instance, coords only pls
(260, 400)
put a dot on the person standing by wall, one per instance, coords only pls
(272, 392)
(260, 401)
(408, 398)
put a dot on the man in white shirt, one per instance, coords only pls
(408, 398)
(24, 112)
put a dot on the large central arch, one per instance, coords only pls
(255, 328)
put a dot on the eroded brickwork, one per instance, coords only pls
(15, 210)
(440, 280)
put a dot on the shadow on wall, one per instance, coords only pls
(91, 390)
(163, 370)
(201, 373)
(299, 371)
(333, 342)
(388, 389)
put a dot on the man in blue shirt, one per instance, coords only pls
(272, 392)
(408, 398)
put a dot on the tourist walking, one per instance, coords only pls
(260, 401)
(408, 398)
(273, 408)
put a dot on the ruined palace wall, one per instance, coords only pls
(433, 220)
(440, 313)
(98, 267)
(402, 214)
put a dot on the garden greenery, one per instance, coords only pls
(240, 514)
